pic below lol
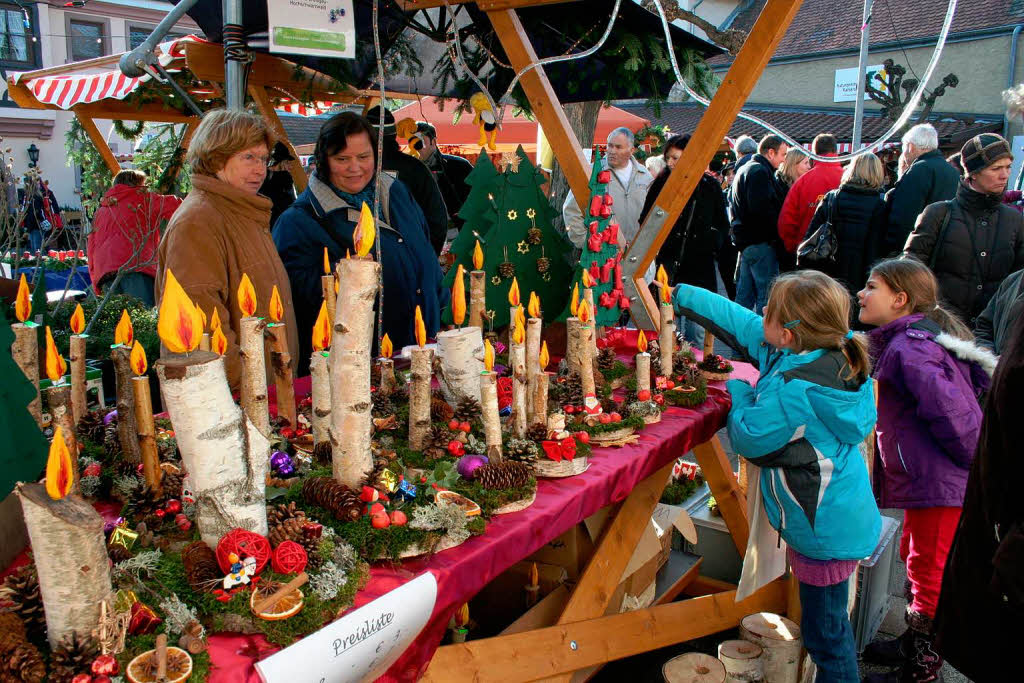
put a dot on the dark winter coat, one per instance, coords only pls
(450, 173)
(929, 179)
(421, 185)
(756, 202)
(410, 270)
(858, 217)
(929, 384)
(992, 329)
(978, 621)
(688, 253)
(279, 188)
(983, 243)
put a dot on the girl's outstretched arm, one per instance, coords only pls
(738, 327)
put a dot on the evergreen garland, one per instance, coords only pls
(130, 134)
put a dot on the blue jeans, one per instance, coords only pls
(35, 240)
(827, 633)
(757, 268)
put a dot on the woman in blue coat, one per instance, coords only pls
(325, 215)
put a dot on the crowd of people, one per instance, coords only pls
(931, 265)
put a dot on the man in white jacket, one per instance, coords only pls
(628, 188)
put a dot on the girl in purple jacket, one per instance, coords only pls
(930, 378)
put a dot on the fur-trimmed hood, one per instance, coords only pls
(968, 351)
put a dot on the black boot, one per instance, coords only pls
(888, 652)
(923, 663)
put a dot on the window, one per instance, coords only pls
(86, 39)
(139, 32)
(17, 37)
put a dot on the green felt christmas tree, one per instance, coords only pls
(22, 446)
(601, 254)
(478, 211)
(520, 241)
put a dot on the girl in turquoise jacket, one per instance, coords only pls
(803, 424)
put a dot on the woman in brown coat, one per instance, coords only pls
(222, 229)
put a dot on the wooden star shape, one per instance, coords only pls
(512, 214)
(496, 280)
(523, 247)
(510, 160)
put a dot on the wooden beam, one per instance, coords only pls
(618, 541)
(485, 5)
(100, 142)
(259, 96)
(737, 85)
(705, 585)
(546, 107)
(714, 463)
(123, 111)
(564, 648)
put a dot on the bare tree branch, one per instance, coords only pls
(731, 39)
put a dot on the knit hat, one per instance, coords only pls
(982, 151)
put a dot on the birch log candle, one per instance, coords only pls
(515, 308)
(58, 402)
(586, 349)
(667, 330)
(477, 289)
(25, 349)
(539, 398)
(328, 287)
(643, 363)
(588, 296)
(77, 357)
(460, 350)
(387, 366)
(68, 544)
(151, 471)
(533, 336)
(223, 451)
(489, 405)
(281, 360)
(517, 359)
(321, 378)
(127, 433)
(351, 348)
(419, 387)
(572, 333)
(253, 352)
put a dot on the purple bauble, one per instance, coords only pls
(281, 463)
(109, 417)
(468, 464)
(111, 524)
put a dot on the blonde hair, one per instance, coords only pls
(788, 166)
(816, 309)
(916, 280)
(866, 171)
(223, 133)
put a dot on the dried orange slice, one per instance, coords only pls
(469, 507)
(143, 668)
(288, 606)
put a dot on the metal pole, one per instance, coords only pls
(862, 65)
(234, 71)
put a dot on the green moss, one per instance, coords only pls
(617, 371)
(687, 400)
(492, 499)
(594, 430)
(678, 492)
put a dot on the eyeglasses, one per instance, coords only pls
(251, 159)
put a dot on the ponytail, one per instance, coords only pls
(855, 349)
(916, 280)
(948, 322)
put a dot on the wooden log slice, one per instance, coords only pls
(693, 667)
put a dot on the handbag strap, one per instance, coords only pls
(942, 236)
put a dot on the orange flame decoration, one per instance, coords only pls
(533, 574)
(666, 291)
(23, 302)
(459, 297)
(534, 305)
(137, 359)
(78, 320)
(584, 312)
(179, 324)
(574, 305)
(387, 349)
(513, 293)
(327, 263)
(478, 257)
(519, 335)
(276, 307)
(337, 283)
(202, 317)
(246, 296)
(59, 475)
(218, 342)
(544, 358)
(588, 281)
(488, 356)
(365, 232)
(55, 364)
(641, 342)
(322, 329)
(124, 333)
(462, 616)
(520, 317)
(421, 329)
(214, 320)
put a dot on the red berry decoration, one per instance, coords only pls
(659, 399)
(604, 418)
(105, 664)
(287, 432)
(183, 522)
(669, 384)
(160, 513)
(102, 678)
(377, 509)
(398, 518)
(301, 431)
(569, 410)
(615, 417)
(82, 678)
(289, 558)
(380, 520)
(173, 506)
(465, 427)
(643, 395)
(582, 437)
(456, 447)
(243, 543)
(453, 424)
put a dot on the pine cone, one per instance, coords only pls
(118, 553)
(440, 411)
(91, 427)
(467, 409)
(437, 442)
(521, 450)
(537, 432)
(507, 269)
(21, 590)
(276, 514)
(606, 359)
(338, 499)
(573, 391)
(201, 568)
(111, 441)
(503, 475)
(383, 406)
(73, 656)
(172, 484)
(534, 236)
(24, 663)
(12, 632)
(543, 264)
(291, 530)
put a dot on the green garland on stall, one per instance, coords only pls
(130, 134)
